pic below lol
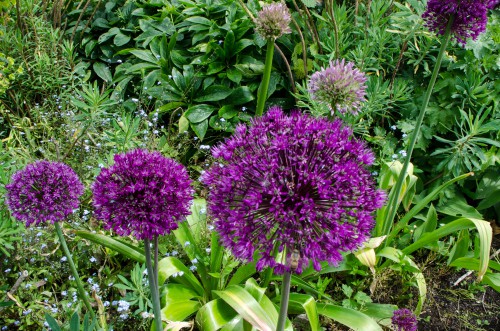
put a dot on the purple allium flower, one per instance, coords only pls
(273, 21)
(341, 86)
(492, 4)
(143, 193)
(404, 320)
(295, 183)
(44, 191)
(469, 17)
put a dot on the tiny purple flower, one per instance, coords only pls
(143, 193)
(44, 191)
(273, 21)
(293, 183)
(341, 86)
(469, 17)
(404, 320)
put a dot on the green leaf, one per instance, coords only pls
(243, 272)
(145, 55)
(429, 224)
(485, 236)
(102, 70)
(229, 44)
(199, 113)
(180, 310)
(214, 315)
(240, 95)
(234, 75)
(135, 254)
(74, 324)
(121, 39)
(200, 129)
(52, 322)
(214, 93)
(183, 124)
(349, 317)
(246, 305)
(308, 304)
(382, 313)
(492, 280)
(170, 265)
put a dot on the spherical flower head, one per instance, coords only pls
(273, 21)
(44, 191)
(341, 86)
(143, 193)
(404, 320)
(469, 17)
(292, 184)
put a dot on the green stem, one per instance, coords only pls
(262, 93)
(79, 286)
(153, 286)
(394, 197)
(285, 297)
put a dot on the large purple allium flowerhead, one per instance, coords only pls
(469, 17)
(293, 184)
(143, 193)
(341, 86)
(44, 191)
(273, 21)
(404, 320)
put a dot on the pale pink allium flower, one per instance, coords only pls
(273, 21)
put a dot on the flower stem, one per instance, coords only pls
(79, 286)
(394, 198)
(285, 297)
(262, 93)
(153, 284)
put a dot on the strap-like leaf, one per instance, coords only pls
(349, 317)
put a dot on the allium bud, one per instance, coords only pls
(469, 17)
(44, 191)
(341, 86)
(273, 21)
(296, 183)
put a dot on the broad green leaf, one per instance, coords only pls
(174, 292)
(111, 243)
(180, 309)
(121, 39)
(429, 224)
(183, 124)
(170, 265)
(308, 304)
(246, 305)
(485, 236)
(349, 317)
(243, 272)
(214, 93)
(102, 70)
(396, 255)
(240, 96)
(473, 264)
(214, 315)
(200, 129)
(229, 45)
(492, 280)
(145, 56)
(199, 113)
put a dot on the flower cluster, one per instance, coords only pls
(273, 21)
(341, 86)
(469, 17)
(404, 320)
(143, 193)
(44, 191)
(293, 183)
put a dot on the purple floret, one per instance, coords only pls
(143, 193)
(404, 320)
(44, 191)
(470, 17)
(293, 182)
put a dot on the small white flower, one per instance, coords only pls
(64, 259)
(393, 128)
(93, 259)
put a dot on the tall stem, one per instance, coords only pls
(79, 286)
(262, 93)
(285, 297)
(394, 198)
(153, 285)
